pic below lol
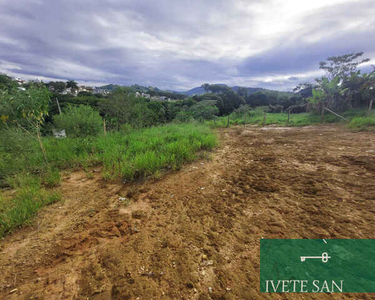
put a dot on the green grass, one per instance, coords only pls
(145, 152)
(52, 178)
(357, 118)
(129, 155)
(30, 197)
(135, 154)
(363, 123)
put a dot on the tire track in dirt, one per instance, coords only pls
(194, 234)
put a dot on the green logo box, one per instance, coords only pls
(317, 266)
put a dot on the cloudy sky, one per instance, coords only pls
(178, 44)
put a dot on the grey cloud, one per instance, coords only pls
(74, 39)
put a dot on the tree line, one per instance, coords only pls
(40, 107)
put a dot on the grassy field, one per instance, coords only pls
(357, 119)
(129, 155)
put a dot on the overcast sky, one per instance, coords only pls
(177, 45)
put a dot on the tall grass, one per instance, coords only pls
(30, 197)
(132, 154)
(363, 123)
(128, 154)
(145, 152)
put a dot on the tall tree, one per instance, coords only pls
(341, 66)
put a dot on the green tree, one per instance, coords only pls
(26, 110)
(124, 108)
(204, 110)
(368, 89)
(329, 94)
(158, 112)
(341, 66)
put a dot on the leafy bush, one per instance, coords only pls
(79, 121)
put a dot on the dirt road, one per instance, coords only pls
(194, 234)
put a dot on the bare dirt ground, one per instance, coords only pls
(194, 234)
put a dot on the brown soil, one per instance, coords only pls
(194, 234)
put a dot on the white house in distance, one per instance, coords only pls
(69, 91)
(83, 88)
(153, 98)
(97, 90)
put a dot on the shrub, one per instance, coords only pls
(79, 121)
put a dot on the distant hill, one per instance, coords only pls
(200, 91)
(195, 91)
(109, 87)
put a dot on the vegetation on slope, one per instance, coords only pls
(128, 154)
